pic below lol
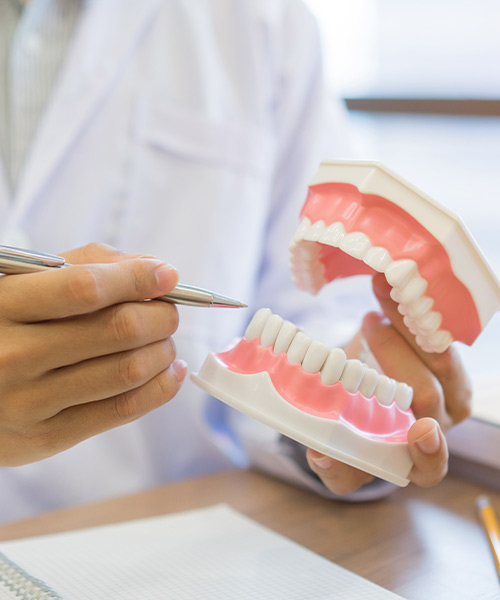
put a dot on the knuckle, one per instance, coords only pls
(126, 324)
(133, 369)
(84, 287)
(428, 396)
(127, 407)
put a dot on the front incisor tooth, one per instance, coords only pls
(270, 331)
(399, 273)
(298, 348)
(403, 395)
(385, 390)
(352, 375)
(356, 244)
(377, 258)
(285, 337)
(333, 366)
(333, 235)
(256, 325)
(368, 382)
(315, 357)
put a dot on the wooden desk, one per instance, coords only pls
(420, 543)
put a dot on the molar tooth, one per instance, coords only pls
(333, 234)
(270, 331)
(424, 344)
(404, 309)
(352, 375)
(385, 390)
(315, 357)
(356, 244)
(403, 395)
(395, 294)
(420, 307)
(315, 231)
(430, 322)
(412, 290)
(333, 366)
(301, 229)
(298, 348)
(441, 340)
(399, 273)
(368, 382)
(377, 258)
(256, 325)
(284, 337)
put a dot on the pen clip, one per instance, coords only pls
(32, 257)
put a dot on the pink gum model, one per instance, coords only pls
(359, 217)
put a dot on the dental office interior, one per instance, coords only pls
(421, 84)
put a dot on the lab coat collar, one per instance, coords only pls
(106, 35)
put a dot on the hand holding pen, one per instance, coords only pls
(81, 352)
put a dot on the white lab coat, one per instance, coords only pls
(189, 130)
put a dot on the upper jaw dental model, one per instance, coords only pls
(359, 218)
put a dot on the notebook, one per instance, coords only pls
(213, 552)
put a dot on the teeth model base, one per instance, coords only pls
(298, 386)
(361, 218)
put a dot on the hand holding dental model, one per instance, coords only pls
(433, 285)
(81, 353)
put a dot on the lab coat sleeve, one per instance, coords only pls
(310, 126)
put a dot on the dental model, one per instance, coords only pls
(358, 218)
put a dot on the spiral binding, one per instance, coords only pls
(23, 585)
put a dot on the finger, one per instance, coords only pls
(76, 290)
(96, 253)
(446, 366)
(100, 378)
(338, 477)
(429, 453)
(78, 423)
(45, 346)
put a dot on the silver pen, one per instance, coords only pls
(19, 260)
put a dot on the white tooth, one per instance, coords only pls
(410, 322)
(315, 357)
(395, 294)
(256, 325)
(441, 340)
(404, 309)
(385, 390)
(369, 382)
(377, 258)
(352, 375)
(403, 395)
(315, 231)
(424, 344)
(298, 348)
(430, 322)
(285, 337)
(299, 232)
(399, 273)
(333, 235)
(356, 244)
(333, 367)
(413, 290)
(420, 307)
(270, 331)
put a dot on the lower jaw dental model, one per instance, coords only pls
(359, 218)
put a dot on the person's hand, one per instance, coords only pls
(442, 394)
(81, 352)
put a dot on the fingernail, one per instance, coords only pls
(430, 442)
(163, 274)
(322, 462)
(180, 369)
